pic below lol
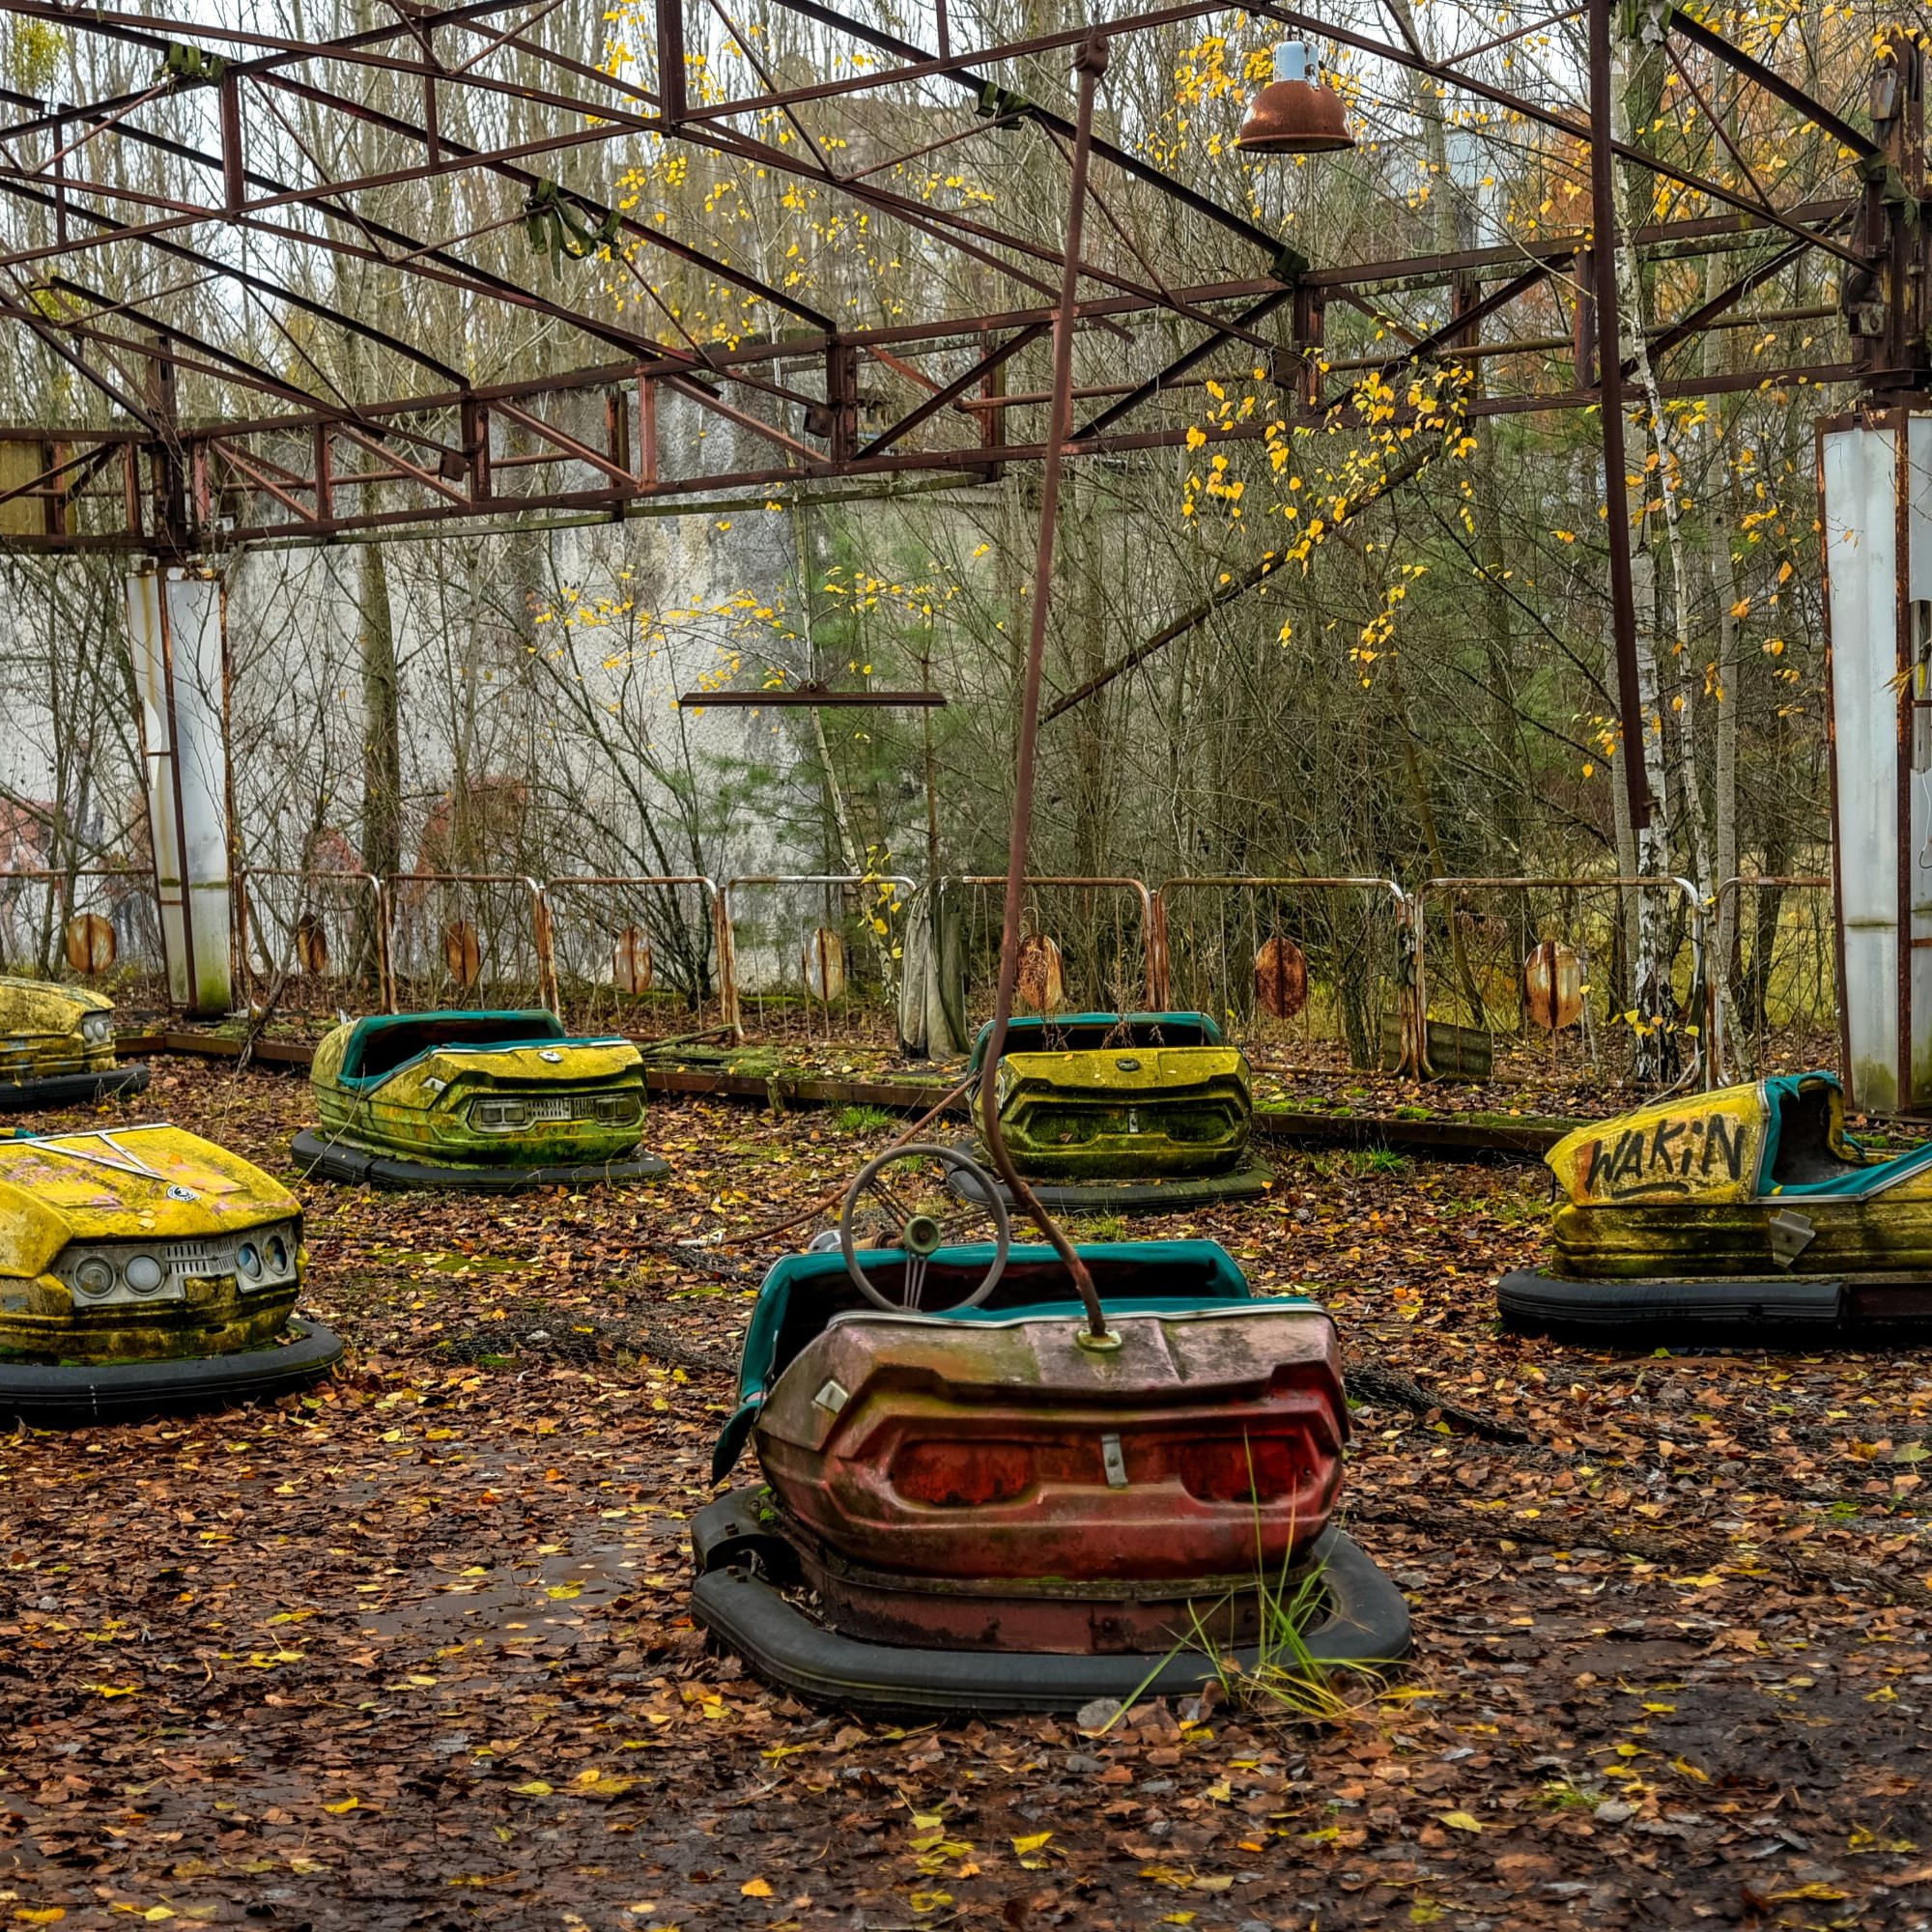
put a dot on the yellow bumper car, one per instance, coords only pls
(143, 1269)
(1738, 1214)
(1125, 1112)
(57, 1046)
(486, 1102)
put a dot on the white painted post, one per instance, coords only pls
(175, 615)
(1878, 560)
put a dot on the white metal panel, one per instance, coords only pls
(1918, 576)
(174, 629)
(1861, 556)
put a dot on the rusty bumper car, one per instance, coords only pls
(57, 1048)
(1746, 1214)
(1125, 1112)
(480, 1102)
(966, 1508)
(144, 1269)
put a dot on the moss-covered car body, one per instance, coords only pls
(140, 1243)
(1097, 1096)
(479, 1089)
(49, 1032)
(1746, 1180)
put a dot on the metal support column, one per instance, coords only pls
(1877, 480)
(175, 629)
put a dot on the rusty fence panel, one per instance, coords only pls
(1774, 975)
(467, 941)
(644, 954)
(96, 925)
(1310, 975)
(1535, 978)
(312, 944)
(1088, 945)
(814, 955)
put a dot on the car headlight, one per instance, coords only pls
(95, 1276)
(97, 1028)
(249, 1260)
(278, 1254)
(143, 1274)
(499, 1114)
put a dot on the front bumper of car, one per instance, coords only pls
(489, 1124)
(1099, 1114)
(329, 1155)
(72, 1089)
(46, 1056)
(73, 1394)
(134, 1301)
(744, 1561)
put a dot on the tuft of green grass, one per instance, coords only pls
(1378, 1160)
(1559, 1796)
(863, 1120)
(1286, 1681)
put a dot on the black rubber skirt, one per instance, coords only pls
(1367, 1624)
(1651, 1313)
(70, 1397)
(324, 1158)
(72, 1089)
(1183, 1194)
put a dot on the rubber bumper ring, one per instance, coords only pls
(354, 1166)
(71, 1397)
(1367, 1625)
(1647, 1313)
(1183, 1194)
(72, 1089)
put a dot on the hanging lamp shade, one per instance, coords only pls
(1297, 113)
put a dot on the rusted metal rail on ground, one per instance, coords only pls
(1442, 1137)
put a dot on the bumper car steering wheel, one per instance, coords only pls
(923, 1230)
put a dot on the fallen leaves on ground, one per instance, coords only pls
(413, 1651)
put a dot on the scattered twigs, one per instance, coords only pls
(654, 1345)
(825, 1203)
(1376, 1382)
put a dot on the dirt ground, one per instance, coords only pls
(413, 1651)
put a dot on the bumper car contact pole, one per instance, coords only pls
(1090, 64)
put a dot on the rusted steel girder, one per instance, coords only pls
(483, 498)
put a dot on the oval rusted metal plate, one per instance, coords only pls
(1553, 986)
(1042, 980)
(461, 952)
(311, 943)
(631, 961)
(90, 943)
(824, 962)
(1281, 978)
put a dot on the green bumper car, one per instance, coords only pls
(488, 1102)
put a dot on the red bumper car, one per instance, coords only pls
(967, 1507)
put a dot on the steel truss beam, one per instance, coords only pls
(279, 476)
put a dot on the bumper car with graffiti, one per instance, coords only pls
(967, 1507)
(57, 1046)
(1126, 1112)
(144, 1269)
(1732, 1215)
(484, 1102)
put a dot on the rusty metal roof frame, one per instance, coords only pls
(304, 464)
